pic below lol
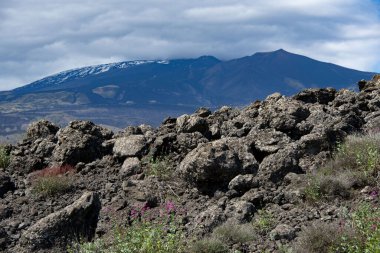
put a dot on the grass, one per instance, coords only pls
(162, 168)
(263, 222)
(355, 164)
(51, 185)
(5, 158)
(52, 181)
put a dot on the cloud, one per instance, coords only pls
(42, 37)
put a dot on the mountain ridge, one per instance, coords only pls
(154, 89)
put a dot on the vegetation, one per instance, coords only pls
(4, 157)
(52, 180)
(208, 245)
(232, 233)
(319, 237)
(223, 237)
(263, 222)
(360, 232)
(356, 163)
(150, 231)
(365, 222)
(162, 168)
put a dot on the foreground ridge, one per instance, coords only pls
(248, 168)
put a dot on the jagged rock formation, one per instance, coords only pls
(225, 165)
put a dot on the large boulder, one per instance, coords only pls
(77, 221)
(266, 141)
(276, 166)
(321, 96)
(191, 124)
(81, 141)
(212, 165)
(41, 129)
(368, 86)
(131, 166)
(130, 146)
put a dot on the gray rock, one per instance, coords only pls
(81, 141)
(41, 129)
(368, 86)
(241, 211)
(242, 183)
(133, 145)
(206, 221)
(321, 96)
(191, 124)
(77, 220)
(282, 231)
(266, 141)
(214, 164)
(131, 166)
(203, 112)
(276, 166)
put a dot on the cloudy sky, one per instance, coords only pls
(42, 37)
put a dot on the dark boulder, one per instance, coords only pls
(6, 184)
(76, 222)
(213, 165)
(81, 141)
(41, 129)
(321, 96)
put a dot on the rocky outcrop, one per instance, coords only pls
(227, 165)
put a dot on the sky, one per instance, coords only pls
(43, 37)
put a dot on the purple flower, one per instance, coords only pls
(170, 207)
(374, 193)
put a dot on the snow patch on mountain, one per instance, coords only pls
(55, 80)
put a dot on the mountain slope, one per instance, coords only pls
(261, 74)
(136, 92)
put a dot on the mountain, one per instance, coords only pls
(136, 92)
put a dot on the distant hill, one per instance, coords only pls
(136, 92)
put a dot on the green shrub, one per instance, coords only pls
(263, 222)
(51, 185)
(366, 223)
(53, 180)
(5, 159)
(360, 152)
(208, 245)
(223, 237)
(312, 191)
(162, 168)
(233, 233)
(317, 238)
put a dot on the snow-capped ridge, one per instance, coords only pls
(56, 79)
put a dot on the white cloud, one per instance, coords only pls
(41, 37)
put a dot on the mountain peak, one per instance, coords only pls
(280, 51)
